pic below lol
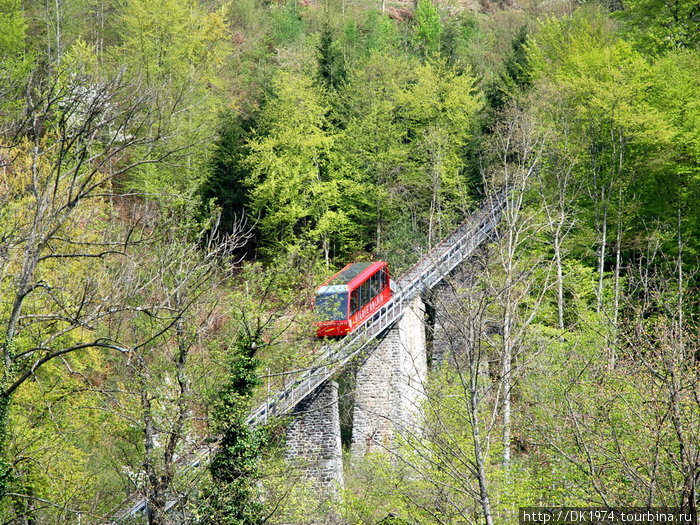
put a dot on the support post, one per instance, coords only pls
(313, 439)
(390, 385)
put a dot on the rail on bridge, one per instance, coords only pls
(422, 276)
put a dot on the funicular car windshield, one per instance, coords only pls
(332, 303)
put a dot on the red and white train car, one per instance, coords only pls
(353, 294)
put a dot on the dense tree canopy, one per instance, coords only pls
(176, 177)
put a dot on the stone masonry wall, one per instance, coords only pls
(390, 385)
(313, 439)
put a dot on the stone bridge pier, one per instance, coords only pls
(390, 385)
(389, 389)
(313, 439)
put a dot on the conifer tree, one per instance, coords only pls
(331, 62)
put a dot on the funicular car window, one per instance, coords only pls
(373, 286)
(332, 306)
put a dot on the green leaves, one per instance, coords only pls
(324, 175)
(233, 497)
(428, 28)
(675, 82)
(15, 62)
(627, 120)
(331, 62)
(657, 26)
(166, 40)
(301, 187)
(13, 29)
(176, 50)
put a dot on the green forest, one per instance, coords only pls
(178, 177)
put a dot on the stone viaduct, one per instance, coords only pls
(388, 354)
(390, 364)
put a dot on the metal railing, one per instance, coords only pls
(422, 276)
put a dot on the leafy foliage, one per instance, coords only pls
(331, 62)
(226, 182)
(428, 28)
(327, 135)
(302, 190)
(234, 495)
(661, 26)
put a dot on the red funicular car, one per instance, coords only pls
(345, 300)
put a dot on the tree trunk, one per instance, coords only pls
(379, 229)
(155, 497)
(58, 31)
(474, 401)
(612, 353)
(601, 253)
(507, 385)
(618, 240)
(560, 277)
(4, 462)
(508, 335)
(479, 453)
